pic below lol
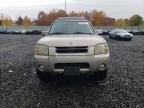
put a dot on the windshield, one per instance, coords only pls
(71, 27)
(121, 31)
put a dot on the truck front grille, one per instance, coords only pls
(83, 49)
(80, 65)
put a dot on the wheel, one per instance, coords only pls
(118, 37)
(101, 75)
(129, 39)
(110, 37)
(42, 76)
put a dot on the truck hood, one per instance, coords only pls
(71, 40)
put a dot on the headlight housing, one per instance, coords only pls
(42, 50)
(101, 49)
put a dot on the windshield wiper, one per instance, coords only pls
(81, 33)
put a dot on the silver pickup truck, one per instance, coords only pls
(72, 48)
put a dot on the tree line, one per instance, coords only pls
(7, 21)
(97, 18)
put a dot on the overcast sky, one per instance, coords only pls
(112, 8)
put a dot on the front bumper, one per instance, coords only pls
(126, 37)
(96, 63)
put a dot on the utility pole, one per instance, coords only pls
(65, 6)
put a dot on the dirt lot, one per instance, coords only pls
(20, 87)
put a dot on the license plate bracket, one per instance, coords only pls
(70, 71)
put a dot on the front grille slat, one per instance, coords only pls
(72, 49)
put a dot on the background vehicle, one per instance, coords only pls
(102, 31)
(36, 32)
(120, 34)
(4, 31)
(23, 31)
(45, 32)
(72, 48)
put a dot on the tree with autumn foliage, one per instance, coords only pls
(47, 19)
(0, 22)
(19, 21)
(135, 20)
(7, 21)
(1, 18)
(142, 24)
(26, 21)
(85, 14)
(98, 18)
(109, 21)
(120, 22)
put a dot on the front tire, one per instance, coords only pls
(110, 36)
(129, 39)
(118, 37)
(42, 76)
(101, 75)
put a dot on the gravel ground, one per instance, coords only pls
(20, 87)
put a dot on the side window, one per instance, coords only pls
(113, 32)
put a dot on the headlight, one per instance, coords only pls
(41, 50)
(101, 49)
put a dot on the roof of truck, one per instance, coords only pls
(71, 19)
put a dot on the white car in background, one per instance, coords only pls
(120, 34)
(23, 31)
